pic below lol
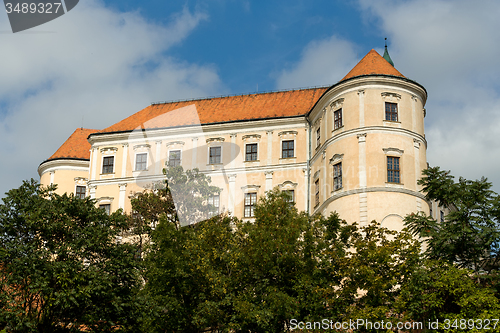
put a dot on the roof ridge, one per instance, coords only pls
(236, 95)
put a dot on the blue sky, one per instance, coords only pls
(106, 60)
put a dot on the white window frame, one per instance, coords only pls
(172, 150)
(147, 160)
(245, 152)
(114, 164)
(221, 154)
(294, 148)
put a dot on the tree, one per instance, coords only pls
(470, 235)
(62, 268)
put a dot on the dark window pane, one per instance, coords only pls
(107, 164)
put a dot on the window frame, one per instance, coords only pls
(337, 122)
(337, 176)
(211, 201)
(391, 113)
(179, 159)
(251, 206)
(318, 136)
(106, 207)
(142, 162)
(112, 158)
(210, 156)
(77, 194)
(288, 149)
(393, 174)
(292, 195)
(252, 144)
(316, 193)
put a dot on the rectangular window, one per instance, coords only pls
(316, 191)
(393, 170)
(250, 201)
(174, 158)
(391, 111)
(337, 176)
(442, 216)
(80, 192)
(291, 195)
(337, 119)
(214, 202)
(215, 155)
(106, 207)
(287, 149)
(107, 164)
(318, 137)
(141, 161)
(251, 152)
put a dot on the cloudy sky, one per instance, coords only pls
(107, 59)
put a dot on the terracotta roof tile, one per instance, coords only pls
(76, 146)
(373, 63)
(222, 109)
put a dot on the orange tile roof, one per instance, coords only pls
(222, 109)
(372, 63)
(76, 146)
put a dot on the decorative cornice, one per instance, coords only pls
(215, 140)
(337, 103)
(173, 143)
(107, 150)
(287, 183)
(249, 136)
(250, 187)
(361, 137)
(316, 174)
(336, 158)
(393, 151)
(391, 95)
(142, 146)
(282, 133)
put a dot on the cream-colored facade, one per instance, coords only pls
(359, 149)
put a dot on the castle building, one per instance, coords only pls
(357, 147)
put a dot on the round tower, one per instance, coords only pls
(368, 145)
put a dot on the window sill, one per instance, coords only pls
(338, 128)
(340, 189)
(251, 161)
(395, 185)
(107, 174)
(392, 123)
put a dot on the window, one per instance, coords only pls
(291, 195)
(106, 207)
(141, 161)
(337, 119)
(337, 176)
(318, 137)
(287, 149)
(442, 216)
(215, 155)
(214, 201)
(391, 111)
(316, 197)
(80, 192)
(250, 201)
(393, 170)
(251, 152)
(174, 158)
(107, 164)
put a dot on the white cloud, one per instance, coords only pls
(451, 47)
(323, 62)
(92, 62)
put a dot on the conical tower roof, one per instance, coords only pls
(373, 63)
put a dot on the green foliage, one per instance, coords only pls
(470, 235)
(376, 263)
(438, 290)
(62, 268)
